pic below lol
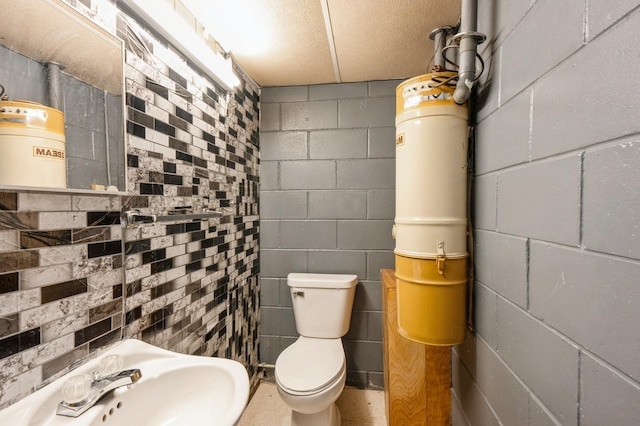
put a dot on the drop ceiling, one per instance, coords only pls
(300, 42)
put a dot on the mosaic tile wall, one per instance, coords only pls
(73, 280)
(60, 284)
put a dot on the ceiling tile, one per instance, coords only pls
(387, 39)
(296, 48)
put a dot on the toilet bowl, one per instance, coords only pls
(310, 376)
(311, 373)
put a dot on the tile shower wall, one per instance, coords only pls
(67, 290)
(557, 209)
(327, 206)
(192, 286)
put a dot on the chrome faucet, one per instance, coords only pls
(100, 386)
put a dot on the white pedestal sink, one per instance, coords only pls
(175, 389)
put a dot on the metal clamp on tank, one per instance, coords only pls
(441, 258)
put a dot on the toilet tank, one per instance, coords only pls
(322, 303)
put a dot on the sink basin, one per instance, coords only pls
(175, 389)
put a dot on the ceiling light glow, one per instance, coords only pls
(238, 32)
(163, 19)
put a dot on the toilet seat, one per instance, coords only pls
(310, 365)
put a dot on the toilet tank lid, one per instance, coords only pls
(321, 280)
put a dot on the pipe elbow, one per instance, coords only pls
(463, 90)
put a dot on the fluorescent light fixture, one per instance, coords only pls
(162, 18)
(243, 27)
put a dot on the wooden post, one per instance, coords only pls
(417, 377)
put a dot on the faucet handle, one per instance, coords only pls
(110, 365)
(76, 389)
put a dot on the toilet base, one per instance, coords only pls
(330, 416)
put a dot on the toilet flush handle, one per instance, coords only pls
(298, 293)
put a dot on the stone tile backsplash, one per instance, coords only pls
(60, 287)
(73, 280)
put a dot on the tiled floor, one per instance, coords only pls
(357, 407)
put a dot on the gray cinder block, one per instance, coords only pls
(486, 315)
(611, 200)
(385, 88)
(366, 174)
(269, 175)
(283, 146)
(269, 234)
(279, 263)
(308, 234)
(542, 200)
(338, 91)
(484, 202)
(331, 144)
(382, 142)
(607, 397)
(501, 263)
(365, 234)
(602, 14)
(310, 115)
(269, 117)
(269, 292)
(503, 137)
(338, 262)
(466, 391)
(546, 362)
(363, 356)
(314, 174)
(590, 298)
(559, 27)
(377, 260)
(507, 396)
(370, 112)
(277, 321)
(381, 204)
(284, 94)
(578, 104)
(283, 204)
(337, 204)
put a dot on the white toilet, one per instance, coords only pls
(311, 373)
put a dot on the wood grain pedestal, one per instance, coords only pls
(417, 377)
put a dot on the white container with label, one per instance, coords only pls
(32, 145)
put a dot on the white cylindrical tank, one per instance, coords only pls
(322, 303)
(32, 145)
(431, 172)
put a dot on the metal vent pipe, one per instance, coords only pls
(469, 39)
(439, 37)
(55, 98)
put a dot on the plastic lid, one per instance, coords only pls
(321, 280)
(310, 364)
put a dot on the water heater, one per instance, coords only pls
(430, 227)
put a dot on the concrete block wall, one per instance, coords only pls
(557, 218)
(327, 199)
